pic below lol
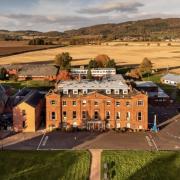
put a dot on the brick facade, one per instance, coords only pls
(61, 108)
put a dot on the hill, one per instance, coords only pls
(149, 29)
(144, 30)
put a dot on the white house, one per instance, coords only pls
(171, 79)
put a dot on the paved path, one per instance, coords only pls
(95, 164)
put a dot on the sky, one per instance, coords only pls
(62, 15)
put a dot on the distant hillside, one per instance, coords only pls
(142, 29)
(149, 29)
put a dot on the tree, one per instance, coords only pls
(89, 74)
(3, 73)
(134, 73)
(102, 60)
(37, 41)
(110, 64)
(92, 64)
(146, 66)
(63, 61)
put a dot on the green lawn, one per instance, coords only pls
(50, 165)
(142, 165)
(41, 85)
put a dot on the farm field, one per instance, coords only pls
(44, 165)
(162, 56)
(141, 165)
(16, 47)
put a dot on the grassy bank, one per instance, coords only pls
(39, 165)
(141, 165)
(41, 85)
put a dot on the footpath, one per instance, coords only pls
(95, 173)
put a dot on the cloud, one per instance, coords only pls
(121, 7)
(48, 22)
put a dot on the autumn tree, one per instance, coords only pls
(63, 61)
(110, 64)
(146, 66)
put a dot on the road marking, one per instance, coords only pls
(41, 141)
(149, 141)
(177, 137)
(155, 145)
(45, 141)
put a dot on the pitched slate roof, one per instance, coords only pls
(38, 70)
(172, 77)
(147, 84)
(32, 98)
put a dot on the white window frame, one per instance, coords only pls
(125, 91)
(116, 91)
(85, 91)
(108, 103)
(140, 104)
(64, 103)
(108, 113)
(128, 116)
(75, 91)
(108, 91)
(53, 119)
(65, 91)
(84, 102)
(119, 103)
(119, 115)
(138, 116)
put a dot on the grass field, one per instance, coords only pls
(162, 56)
(142, 165)
(52, 165)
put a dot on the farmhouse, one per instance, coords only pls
(171, 79)
(96, 105)
(32, 71)
(155, 94)
(27, 111)
(38, 72)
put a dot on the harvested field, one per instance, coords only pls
(8, 48)
(162, 56)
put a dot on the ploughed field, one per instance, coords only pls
(17, 47)
(131, 53)
(135, 165)
(44, 165)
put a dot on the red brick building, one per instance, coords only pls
(100, 108)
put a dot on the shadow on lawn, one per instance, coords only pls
(161, 168)
(39, 165)
(55, 140)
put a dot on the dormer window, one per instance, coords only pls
(65, 92)
(108, 91)
(125, 91)
(85, 91)
(75, 91)
(116, 91)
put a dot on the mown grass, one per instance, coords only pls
(142, 165)
(50, 165)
